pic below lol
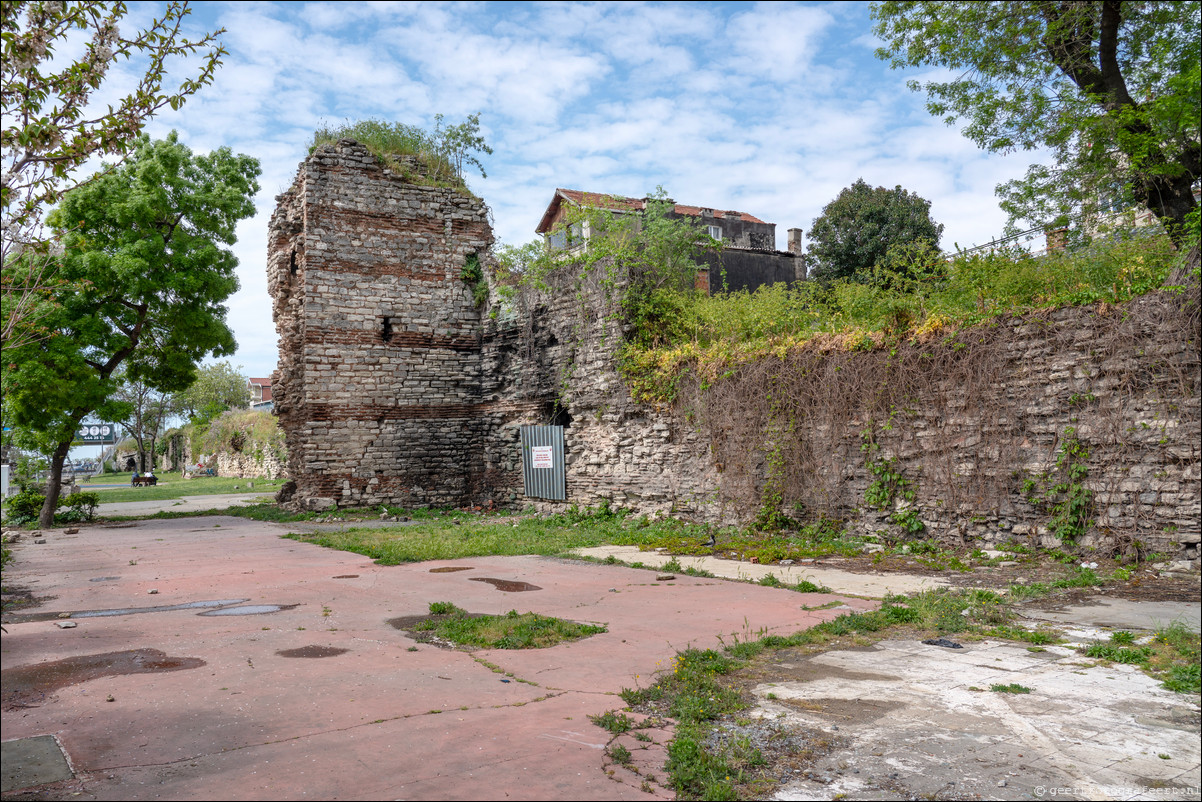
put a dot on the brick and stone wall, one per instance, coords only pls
(379, 373)
(393, 387)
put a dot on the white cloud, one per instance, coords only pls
(770, 108)
(776, 41)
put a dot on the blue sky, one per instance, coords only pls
(770, 109)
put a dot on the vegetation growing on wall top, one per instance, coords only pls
(441, 154)
(712, 335)
(247, 431)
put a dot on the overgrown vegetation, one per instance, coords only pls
(439, 156)
(714, 335)
(254, 433)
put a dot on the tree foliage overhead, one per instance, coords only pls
(857, 229)
(1110, 88)
(56, 57)
(49, 127)
(145, 278)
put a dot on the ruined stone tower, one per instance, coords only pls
(378, 384)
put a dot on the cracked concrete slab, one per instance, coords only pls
(385, 718)
(371, 714)
(1124, 614)
(873, 586)
(948, 735)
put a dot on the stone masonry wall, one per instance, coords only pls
(426, 408)
(378, 383)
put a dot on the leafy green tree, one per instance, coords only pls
(1110, 88)
(856, 230)
(52, 126)
(148, 412)
(145, 278)
(459, 144)
(648, 260)
(217, 388)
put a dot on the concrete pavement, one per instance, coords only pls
(386, 718)
(173, 694)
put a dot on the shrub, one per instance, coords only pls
(24, 507)
(80, 507)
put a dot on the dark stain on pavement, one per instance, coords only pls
(347, 576)
(312, 651)
(26, 686)
(448, 569)
(507, 585)
(843, 709)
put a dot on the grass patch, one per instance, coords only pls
(1114, 653)
(1079, 578)
(1175, 658)
(447, 535)
(1012, 687)
(173, 486)
(1038, 637)
(806, 586)
(513, 630)
(444, 535)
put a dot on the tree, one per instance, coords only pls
(51, 127)
(144, 280)
(858, 227)
(1110, 88)
(149, 410)
(648, 261)
(217, 388)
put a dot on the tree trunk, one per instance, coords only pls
(54, 485)
(1170, 199)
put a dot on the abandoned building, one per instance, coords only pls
(748, 258)
(394, 387)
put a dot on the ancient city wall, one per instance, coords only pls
(975, 426)
(980, 427)
(378, 382)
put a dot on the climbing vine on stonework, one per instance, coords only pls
(1061, 494)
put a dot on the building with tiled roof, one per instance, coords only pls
(748, 258)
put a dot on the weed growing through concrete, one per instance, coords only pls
(806, 586)
(1012, 687)
(613, 722)
(700, 688)
(619, 754)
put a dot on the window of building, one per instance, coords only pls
(715, 231)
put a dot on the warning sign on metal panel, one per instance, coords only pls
(540, 457)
